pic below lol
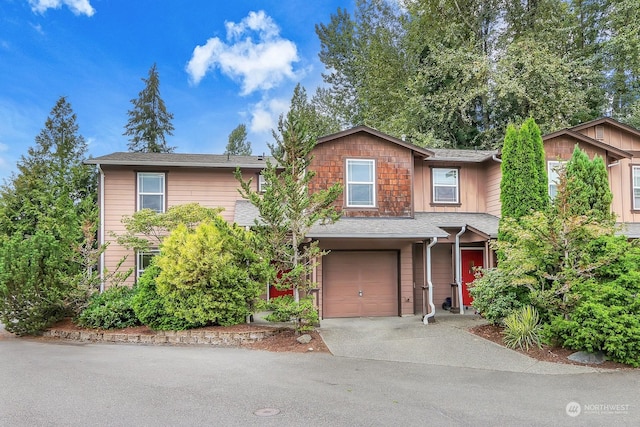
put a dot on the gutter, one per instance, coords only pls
(459, 268)
(432, 307)
(494, 157)
(101, 227)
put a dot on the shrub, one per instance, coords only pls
(522, 328)
(495, 298)
(304, 314)
(210, 275)
(109, 310)
(150, 307)
(606, 318)
(34, 283)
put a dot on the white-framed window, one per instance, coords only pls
(361, 183)
(262, 183)
(554, 169)
(151, 193)
(635, 171)
(143, 260)
(445, 185)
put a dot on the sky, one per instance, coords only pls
(220, 63)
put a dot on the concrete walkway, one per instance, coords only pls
(445, 342)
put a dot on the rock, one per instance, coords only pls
(304, 339)
(586, 357)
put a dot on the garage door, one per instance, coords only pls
(360, 284)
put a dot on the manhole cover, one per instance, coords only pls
(267, 412)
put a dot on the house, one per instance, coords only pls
(415, 222)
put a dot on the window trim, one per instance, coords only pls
(634, 167)
(139, 175)
(139, 255)
(457, 187)
(550, 165)
(262, 183)
(372, 162)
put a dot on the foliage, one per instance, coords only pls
(53, 194)
(210, 275)
(523, 187)
(607, 315)
(149, 121)
(287, 209)
(494, 297)
(455, 73)
(150, 308)
(33, 283)
(238, 144)
(109, 310)
(303, 313)
(522, 328)
(147, 228)
(587, 188)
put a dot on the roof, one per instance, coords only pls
(365, 129)
(425, 225)
(461, 155)
(614, 152)
(629, 229)
(180, 160)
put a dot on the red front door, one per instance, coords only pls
(471, 258)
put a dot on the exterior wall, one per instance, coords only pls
(442, 272)
(209, 187)
(394, 173)
(405, 266)
(473, 188)
(494, 176)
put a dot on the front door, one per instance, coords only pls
(471, 259)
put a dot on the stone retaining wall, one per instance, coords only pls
(214, 338)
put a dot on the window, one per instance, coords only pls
(262, 183)
(361, 191)
(445, 185)
(635, 170)
(554, 169)
(144, 260)
(151, 191)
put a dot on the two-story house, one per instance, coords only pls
(415, 221)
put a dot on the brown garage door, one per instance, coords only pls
(360, 284)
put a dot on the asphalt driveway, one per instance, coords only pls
(445, 342)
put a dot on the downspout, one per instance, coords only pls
(459, 268)
(432, 307)
(494, 157)
(101, 228)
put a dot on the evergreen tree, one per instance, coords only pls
(149, 121)
(523, 187)
(48, 215)
(587, 188)
(287, 210)
(238, 144)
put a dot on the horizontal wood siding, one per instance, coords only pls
(494, 176)
(442, 272)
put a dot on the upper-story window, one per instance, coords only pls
(554, 169)
(262, 183)
(636, 187)
(151, 191)
(445, 185)
(361, 188)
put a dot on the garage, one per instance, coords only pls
(360, 284)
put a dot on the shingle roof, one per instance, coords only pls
(630, 229)
(458, 155)
(424, 225)
(180, 160)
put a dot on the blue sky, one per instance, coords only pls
(221, 63)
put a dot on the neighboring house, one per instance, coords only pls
(413, 219)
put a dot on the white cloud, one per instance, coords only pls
(254, 54)
(264, 114)
(78, 7)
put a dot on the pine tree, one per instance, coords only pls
(238, 144)
(149, 121)
(287, 210)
